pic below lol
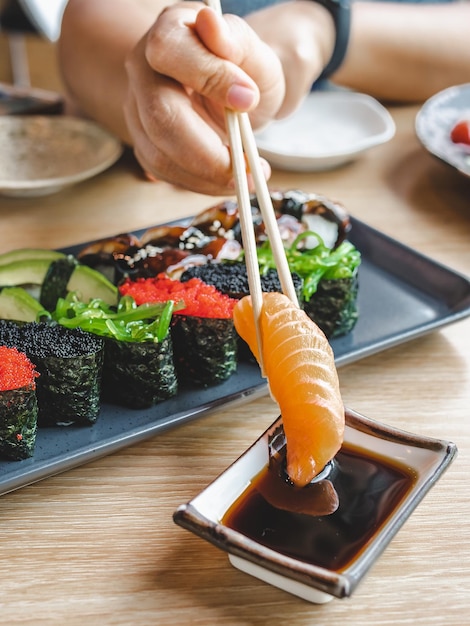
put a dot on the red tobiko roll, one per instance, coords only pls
(203, 334)
(18, 405)
(16, 370)
(200, 299)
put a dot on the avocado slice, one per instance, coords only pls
(17, 304)
(90, 283)
(24, 272)
(55, 278)
(24, 254)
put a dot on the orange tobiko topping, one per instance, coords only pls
(200, 299)
(16, 370)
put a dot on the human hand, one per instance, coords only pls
(302, 34)
(192, 65)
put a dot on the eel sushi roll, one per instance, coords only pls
(69, 362)
(204, 338)
(139, 374)
(18, 405)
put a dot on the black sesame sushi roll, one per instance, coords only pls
(232, 279)
(18, 405)
(70, 365)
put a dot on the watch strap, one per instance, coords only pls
(340, 11)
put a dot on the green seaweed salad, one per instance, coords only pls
(314, 264)
(126, 322)
(330, 280)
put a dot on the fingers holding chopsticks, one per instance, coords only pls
(178, 97)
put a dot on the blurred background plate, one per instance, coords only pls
(41, 155)
(435, 121)
(331, 128)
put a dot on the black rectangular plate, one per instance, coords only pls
(402, 295)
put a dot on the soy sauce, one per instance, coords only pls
(368, 489)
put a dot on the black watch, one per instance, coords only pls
(341, 13)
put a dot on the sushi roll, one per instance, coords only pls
(330, 281)
(138, 368)
(232, 278)
(69, 362)
(18, 405)
(334, 306)
(204, 338)
(139, 374)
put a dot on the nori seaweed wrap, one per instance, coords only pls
(18, 405)
(56, 280)
(232, 279)
(205, 349)
(333, 307)
(139, 374)
(69, 362)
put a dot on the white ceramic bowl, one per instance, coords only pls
(423, 460)
(331, 128)
(435, 121)
(42, 154)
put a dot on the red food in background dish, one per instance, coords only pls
(461, 132)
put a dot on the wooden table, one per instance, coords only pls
(98, 545)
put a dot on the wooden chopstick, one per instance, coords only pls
(242, 141)
(267, 210)
(246, 225)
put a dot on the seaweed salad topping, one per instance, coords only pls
(127, 322)
(314, 264)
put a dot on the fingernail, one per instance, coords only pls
(240, 97)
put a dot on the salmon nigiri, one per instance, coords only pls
(301, 372)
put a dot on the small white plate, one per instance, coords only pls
(362, 524)
(329, 129)
(435, 121)
(42, 154)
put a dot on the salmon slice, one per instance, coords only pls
(299, 365)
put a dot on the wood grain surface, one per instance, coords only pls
(97, 544)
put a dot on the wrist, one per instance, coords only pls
(340, 11)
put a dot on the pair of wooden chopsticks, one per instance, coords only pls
(242, 142)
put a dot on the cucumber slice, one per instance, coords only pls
(24, 254)
(17, 304)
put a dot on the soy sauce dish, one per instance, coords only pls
(317, 542)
